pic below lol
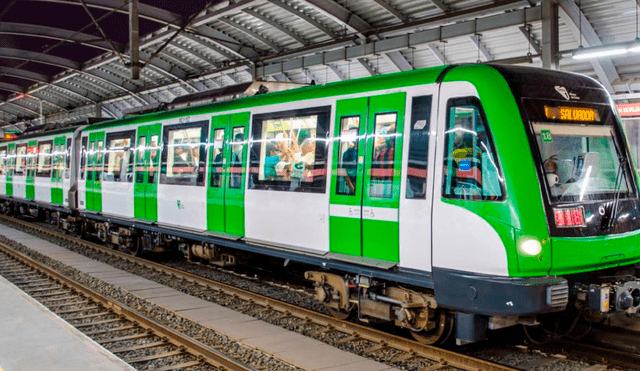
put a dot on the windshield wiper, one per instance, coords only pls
(621, 176)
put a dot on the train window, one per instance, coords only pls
(21, 159)
(67, 166)
(32, 160)
(99, 158)
(183, 157)
(3, 160)
(382, 161)
(91, 167)
(141, 164)
(348, 156)
(288, 151)
(12, 161)
(58, 161)
(118, 157)
(471, 168)
(235, 168)
(83, 158)
(44, 159)
(154, 150)
(418, 147)
(218, 157)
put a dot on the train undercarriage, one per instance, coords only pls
(593, 296)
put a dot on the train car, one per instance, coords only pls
(449, 200)
(36, 170)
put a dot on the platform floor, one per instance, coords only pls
(32, 338)
(296, 349)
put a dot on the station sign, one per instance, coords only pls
(629, 109)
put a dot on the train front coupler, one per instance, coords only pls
(611, 297)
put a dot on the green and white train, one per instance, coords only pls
(449, 200)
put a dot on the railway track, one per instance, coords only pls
(135, 338)
(371, 340)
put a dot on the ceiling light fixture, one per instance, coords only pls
(607, 50)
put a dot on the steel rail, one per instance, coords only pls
(196, 348)
(383, 340)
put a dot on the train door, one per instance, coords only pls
(145, 199)
(32, 160)
(58, 166)
(11, 168)
(95, 154)
(365, 187)
(227, 159)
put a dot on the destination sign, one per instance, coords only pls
(564, 113)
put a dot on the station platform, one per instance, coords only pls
(288, 346)
(32, 338)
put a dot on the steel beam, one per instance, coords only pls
(305, 18)
(11, 87)
(531, 40)
(276, 25)
(441, 5)
(148, 12)
(550, 35)
(24, 74)
(604, 68)
(54, 33)
(391, 10)
(39, 57)
(134, 39)
(364, 63)
(342, 15)
(499, 21)
(336, 71)
(481, 48)
(437, 53)
(251, 33)
(399, 61)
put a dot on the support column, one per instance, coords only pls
(550, 35)
(134, 39)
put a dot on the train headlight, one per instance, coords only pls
(530, 247)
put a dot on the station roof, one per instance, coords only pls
(70, 59)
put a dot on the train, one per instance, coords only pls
(448, 201)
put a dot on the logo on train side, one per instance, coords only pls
(180, 205)
(565, 93)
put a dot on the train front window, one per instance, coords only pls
(582, 158)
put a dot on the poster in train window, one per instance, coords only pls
(119, 157)
(183, 158)
(21, 159)
(289, 150)
(44, 159)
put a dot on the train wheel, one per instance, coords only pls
(343, 314)
(138, 250)
(440, 334)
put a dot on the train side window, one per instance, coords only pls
(417, 166)
(99, 159)
(3, 160)
(383, 155)
(289, 151)
(183, 156)
(91, 152)
(141, 164)
(118, 157)
(44, 159)
(67, 157)
(21, 159)
(154, 150)
(83, 158)
(218, 159)
(235, 167)
(471, 169)
(348, 156)
(12, 161)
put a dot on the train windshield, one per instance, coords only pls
(583, 158)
